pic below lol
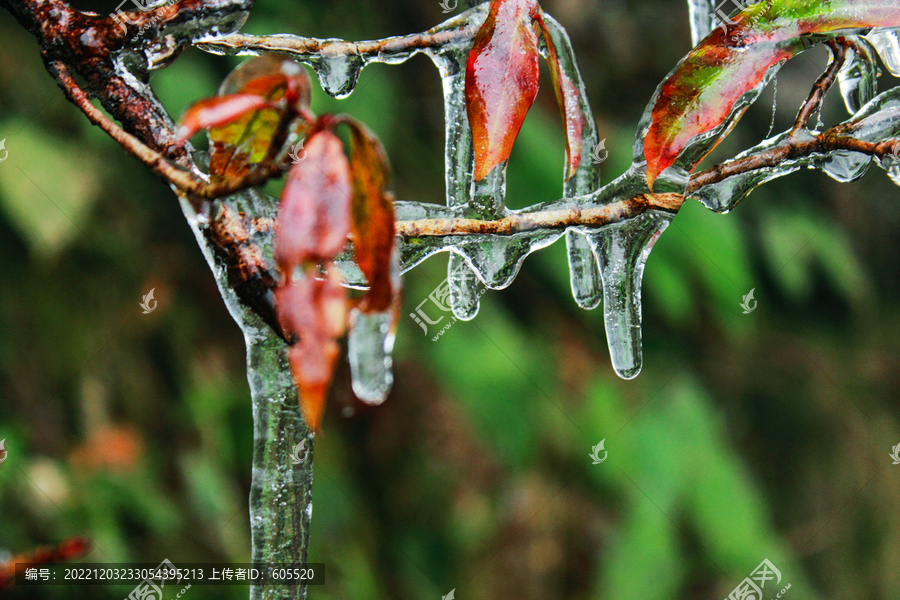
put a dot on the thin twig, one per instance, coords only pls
(825, 81)
(302, 46)
(187, 182)
(827, 141)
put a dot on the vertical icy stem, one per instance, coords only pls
(281, 492)
(459, 161)
(584, 275)
(703, 18)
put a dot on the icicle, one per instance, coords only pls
(369, 347)
(887, 42)
(622, 250)
(464, 297)
(584, 276)
(703, 18)
(858, 78)
(338, 74)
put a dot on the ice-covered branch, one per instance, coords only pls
(609, 229)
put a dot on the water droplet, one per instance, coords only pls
(338, 74)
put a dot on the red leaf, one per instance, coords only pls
(213, 112)
(501, 80)
(373, 217)
(568, 97)
(313, 225)
(314, 217)
(315, 311)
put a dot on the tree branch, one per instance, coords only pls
(550, 219)
(301, 46)
(186, 181)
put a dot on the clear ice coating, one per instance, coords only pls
(459, 162)
(280, 491)
(858, 78)
(887, 42)
(369, 348)
(606, 264)
(878, 120)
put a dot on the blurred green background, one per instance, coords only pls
(745, 437)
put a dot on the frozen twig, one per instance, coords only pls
(817, 94)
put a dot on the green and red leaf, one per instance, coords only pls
(218, 111)
(701, 92)
(501, 80)
(248, 119)
(373, 218)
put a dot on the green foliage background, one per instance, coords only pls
(746, 436)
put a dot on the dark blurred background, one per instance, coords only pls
(745, 437)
